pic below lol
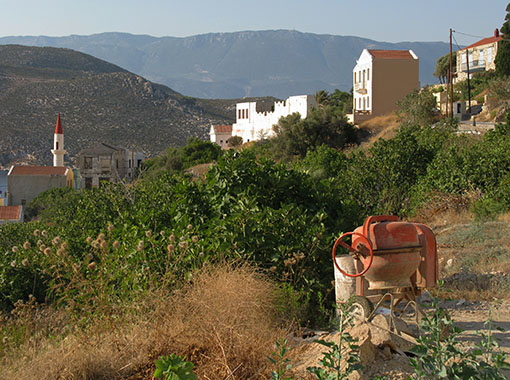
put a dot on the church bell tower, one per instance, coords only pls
(58, 144)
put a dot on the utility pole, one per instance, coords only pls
(451, 75)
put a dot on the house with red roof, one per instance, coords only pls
(11, 214)
(220, 134)
(478, 57)
(24, 182)
(380, 79)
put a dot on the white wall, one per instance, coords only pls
(364, 63)
(252, 125)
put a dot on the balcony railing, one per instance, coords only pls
(360, 87)
(473, 65)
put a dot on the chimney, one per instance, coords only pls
(496, 32)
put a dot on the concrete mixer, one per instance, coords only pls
(389, 261)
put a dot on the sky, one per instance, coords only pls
(380, 20)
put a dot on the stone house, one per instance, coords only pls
(220, 134)
(24, 183)
(380, 79)
(104, 162)
(478, 57)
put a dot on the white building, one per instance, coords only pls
(252, 124)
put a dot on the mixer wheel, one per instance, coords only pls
(361, 307)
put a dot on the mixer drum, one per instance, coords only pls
(396, 247)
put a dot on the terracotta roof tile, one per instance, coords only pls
(223, 128)
(38, 170)
(485, 41)
(391, 54)
(10, 212)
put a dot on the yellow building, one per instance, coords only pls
(480, 56)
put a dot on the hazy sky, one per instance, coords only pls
(381, 20)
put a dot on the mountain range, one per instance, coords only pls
(99, 102)
(276, 63)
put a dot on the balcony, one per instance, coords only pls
(475, 65)
(360, 87)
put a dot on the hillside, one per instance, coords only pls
(232, 65)
(98, 102)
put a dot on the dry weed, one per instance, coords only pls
(224, 322)
(384, 127)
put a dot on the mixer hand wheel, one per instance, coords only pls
(354, 252)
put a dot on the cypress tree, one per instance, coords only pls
(502, 60)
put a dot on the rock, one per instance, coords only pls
(367, 350)
(383, 337)
(425, 297)
(449, 263)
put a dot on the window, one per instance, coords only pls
(239, 116)
(364, 104)
(470, 58)
(363, 76)
(247, 114)
(23, 202)
(87, 163)
(139, 163)
(368, 102)
(88, 182)
(117, 164)
(481, 59)
(489, 55)
(368, 74)
(359, 105)
(354, 77)
(105, 164)
(56, 145)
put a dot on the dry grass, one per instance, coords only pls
(224, 320)
(446, 209)
(474, 259)
(384, 127)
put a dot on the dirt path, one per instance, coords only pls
(471, 317)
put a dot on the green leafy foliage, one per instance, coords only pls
(418, 108)
(281, 361)
(443, 67)
(324, 125)
(342, 358)
(173, 367)
(502, 59)
(440, 353)
(195, 152)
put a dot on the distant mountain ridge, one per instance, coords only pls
(99, 102)
(232, 65)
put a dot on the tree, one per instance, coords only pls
(235, 141)
(323, 126)
(502, 60)
(418, 108)
(443, 67)
(322, 98)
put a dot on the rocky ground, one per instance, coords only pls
(384, 354)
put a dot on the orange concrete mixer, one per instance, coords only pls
(388, 260)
